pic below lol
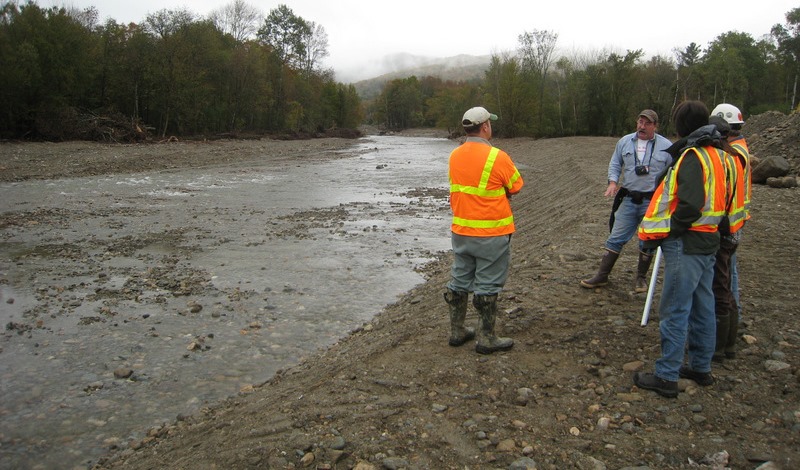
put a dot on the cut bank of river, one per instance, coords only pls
(130, 300)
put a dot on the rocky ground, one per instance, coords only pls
(394, 395)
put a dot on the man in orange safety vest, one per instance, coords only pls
(482, 180)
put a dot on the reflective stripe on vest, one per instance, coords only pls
(481, 190)
(656, 222)
(485, 227)
(741, 146)
(735, 178)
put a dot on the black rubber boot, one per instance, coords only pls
(487, 341)
(459, 334)
(606, 265)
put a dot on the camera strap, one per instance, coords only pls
(647, 143)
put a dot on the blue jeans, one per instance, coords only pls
(686, 311)
(626, 223)
(480, 264)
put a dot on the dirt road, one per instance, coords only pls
(394, 395)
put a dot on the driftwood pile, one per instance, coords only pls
(72, 124)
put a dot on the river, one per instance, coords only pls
(130, 300)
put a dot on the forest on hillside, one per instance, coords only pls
(539, 94)
(238, 72)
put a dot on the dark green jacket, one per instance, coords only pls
(691, 195)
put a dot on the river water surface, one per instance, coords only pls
(196, 282)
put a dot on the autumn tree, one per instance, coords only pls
(536, 50)
(239, 19)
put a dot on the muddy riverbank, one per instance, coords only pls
(393, 394)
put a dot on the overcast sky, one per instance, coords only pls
(360, 32)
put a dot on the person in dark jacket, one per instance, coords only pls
(683, 219)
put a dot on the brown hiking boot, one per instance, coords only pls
(641, 284)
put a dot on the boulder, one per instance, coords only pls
(782, 182)
(770, 167)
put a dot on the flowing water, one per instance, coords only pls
(197, 282)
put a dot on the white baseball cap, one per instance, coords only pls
(476, 116)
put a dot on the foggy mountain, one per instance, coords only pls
(369, 79)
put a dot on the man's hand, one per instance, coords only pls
(612, 189)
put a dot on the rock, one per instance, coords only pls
(775, 366)
(632, 366)
(603, 423)
(775, 182)
(525, 463)
(338, 443)
(364, 466)
(307, 459)
(394, 463)
(769, 466)
(772, 166)
(123, 373)
(782, 182)
(506, 445)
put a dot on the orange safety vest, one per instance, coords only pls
(481, 177)
(734, 169)
(741, 146)
(656, 222)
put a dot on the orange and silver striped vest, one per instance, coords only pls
(741, 146)
(481, 176)
(735, 169)
(656, 222)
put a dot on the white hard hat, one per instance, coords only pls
(729, 113)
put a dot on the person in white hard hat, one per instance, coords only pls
(733, 116)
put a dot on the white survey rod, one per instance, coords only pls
(652, 288)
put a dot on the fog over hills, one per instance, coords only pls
(370, 78)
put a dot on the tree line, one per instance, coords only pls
(238, 71)
(174, 73)
(538, 94)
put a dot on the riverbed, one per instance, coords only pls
(130, 300)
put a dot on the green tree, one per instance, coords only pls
(505, 90)
(536, 50)
(788, 38)
(286, 34)
(446, 107)
(686, 73)
(401, 102)
(732, 66)
(48, 68)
